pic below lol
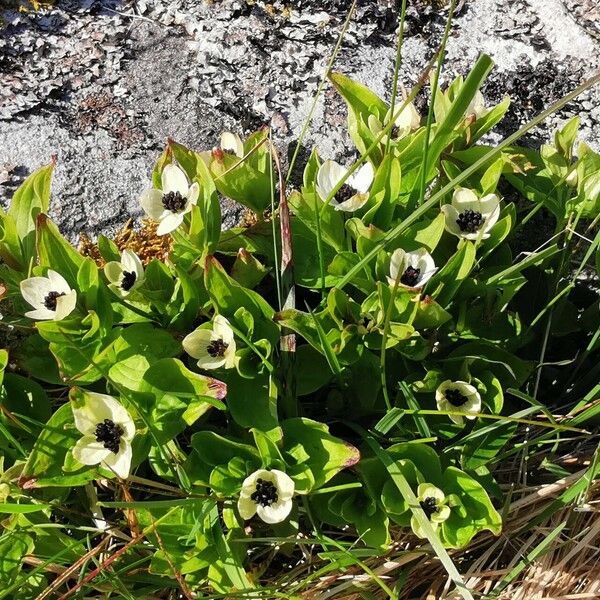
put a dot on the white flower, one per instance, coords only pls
(267, 494)
(231, 143)
(51, 297)
(408, 120)
(355, 191)
(471, 217)
(433, 502)
(458, 396)
(125, 276)
(477, 106)
(173, 202)
(214, 347)
(107, 432)
(415, 268)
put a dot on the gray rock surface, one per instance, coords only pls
(102, 83)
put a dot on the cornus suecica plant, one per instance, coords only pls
(347, 370)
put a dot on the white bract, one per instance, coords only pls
(413, 269)
(408, 120)
(126, 275)
(458, 396)
(231, 143)
(353, 194)
(433, 502)
(267, 494)
(107, 430)
(173, 202)
(213, 348)
(51, 297)
(469, 216)
(477, 106)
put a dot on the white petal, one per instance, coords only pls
(113, 271)
(192, 196)
(450, 218)
(174, 180)
(58, 283)
(443, 512)
(397, 264)
(151, 203)
(41, 314)
(233, 142)
(88, 451)
(357, 201)
(491, 220)
(465, 199)
(171, 222)
(222, 329)
(488, 204)
(249, 484)
(328, 176)
(35, 289)
(195, 343)
(284, 484)
(374, 125)
(427, 490)
(246, 507)
(130, 261)
(363, 178)
(65, 305)
(276, 513)
(229, 356)
(120, 462)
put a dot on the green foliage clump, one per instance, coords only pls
(361, 356)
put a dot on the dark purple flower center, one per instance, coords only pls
(410, 277)
(50, 300)
(470, 221)
(128, 280)
(265, 493)
(429, 506)
(110, 434)
(174, 202)
(345, 193)
(455, 397)
(217, 348)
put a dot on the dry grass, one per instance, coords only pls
(568, 569)
(144, 242)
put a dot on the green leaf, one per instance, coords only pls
(48, 455)
(31, 199)
(55, 252)
(310, 442)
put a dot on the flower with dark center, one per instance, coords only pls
(110, 434)
(410, 277)
(470, 221)
(128, 280)
(406, 121)
(107, 429)
(217, 348)
(50, 299)
(411, 269)
(265, 493)
(354, 191)
(429, 506)
(470, 217)
(434, 503)
(174, 202)
(126, 275)
(268, 494)
(453, 395)
(213, 348)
